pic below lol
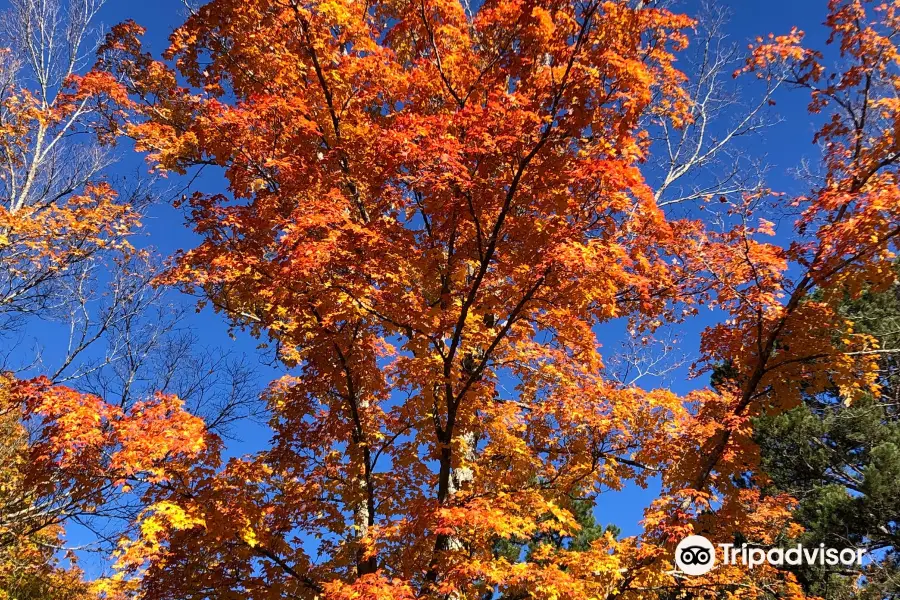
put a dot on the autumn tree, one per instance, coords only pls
(578, 539)
(28, 565)
(58, 211)
(788, 336)
(64, 453)
(431, 209)
(102, 411)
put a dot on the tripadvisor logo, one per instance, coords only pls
(696, 555)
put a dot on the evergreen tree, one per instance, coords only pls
(842, 463)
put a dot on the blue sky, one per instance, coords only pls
(783, 145)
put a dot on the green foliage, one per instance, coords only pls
(842, 463)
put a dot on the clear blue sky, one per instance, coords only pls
(783, 145)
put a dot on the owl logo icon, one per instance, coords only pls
(695, 555)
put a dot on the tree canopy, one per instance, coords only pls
(432, 209)
(842, 463)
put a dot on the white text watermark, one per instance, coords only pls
(696, 555)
